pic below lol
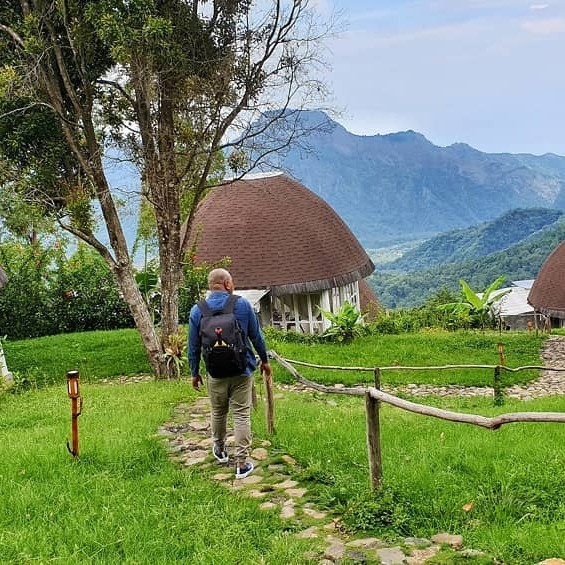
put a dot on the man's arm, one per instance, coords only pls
(256, 336)
(194, 345)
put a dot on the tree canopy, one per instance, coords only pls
(172, 84)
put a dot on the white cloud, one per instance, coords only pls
(545, 27)
(539, 6)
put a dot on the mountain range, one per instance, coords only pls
(401, 187)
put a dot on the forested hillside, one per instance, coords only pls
(478, 241)
(521, 261)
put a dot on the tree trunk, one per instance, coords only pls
(143, 321)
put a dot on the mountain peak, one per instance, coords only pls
(408, 136)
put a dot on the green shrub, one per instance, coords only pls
(26, 305)
(385, 509)
(346, 324)
(49, 293)
(86, 296)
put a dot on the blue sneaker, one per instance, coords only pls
(220, 453)
(242, 471)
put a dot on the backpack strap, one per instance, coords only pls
(229, 306)
(204, 308)
(227, 309)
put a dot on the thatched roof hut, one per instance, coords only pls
(547, 294)
(283, 238)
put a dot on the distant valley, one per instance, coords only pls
(515, 245)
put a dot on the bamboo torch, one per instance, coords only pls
(73, 389)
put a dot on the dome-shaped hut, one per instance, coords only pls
(290, 253)
(547, 294)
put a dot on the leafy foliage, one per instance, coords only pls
(346, 324)
(85, 294)
(49, 293)
(476, 308)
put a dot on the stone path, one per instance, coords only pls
(549, 383)
(188, 441)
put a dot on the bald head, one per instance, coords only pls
(220, 279)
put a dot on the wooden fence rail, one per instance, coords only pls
(374, 395)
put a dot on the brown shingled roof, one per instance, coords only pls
(548, 291)
(279, 235)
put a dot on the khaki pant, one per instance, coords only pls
(232, 393)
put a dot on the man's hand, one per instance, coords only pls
(266, 370)
(196, 382)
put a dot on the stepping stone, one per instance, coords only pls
(296, 492)
(251, 480)
(199, 426)
(335, 552)
(194, 461)
(288, 460)
(366, 543)
(455, 541)
(422, 555)
(223, 476)
(391, 556)
(288, 512)
(286, 484)
(206, 442)
(316, 514)
(308, 533)
(260, 454)
(197, 453)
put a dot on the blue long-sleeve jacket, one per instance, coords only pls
(247, 319)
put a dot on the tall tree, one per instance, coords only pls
(173, 84)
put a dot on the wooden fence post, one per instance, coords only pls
(498, 388)
(270, 408)
(374, 435)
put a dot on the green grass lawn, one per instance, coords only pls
(433, 348)
(124, 501)
(513, 477)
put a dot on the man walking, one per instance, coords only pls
(229, 392)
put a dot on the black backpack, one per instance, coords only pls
(223, 342)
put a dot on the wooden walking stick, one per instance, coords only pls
(270, 407)
(73, 389)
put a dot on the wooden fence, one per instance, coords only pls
(374, 396)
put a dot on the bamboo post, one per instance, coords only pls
(498, 389)
(270, 405)
(501, 354)
(73, 389)
(374, 435)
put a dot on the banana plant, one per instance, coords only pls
(476, 307)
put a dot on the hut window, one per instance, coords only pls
(347, 293)
(298, 312)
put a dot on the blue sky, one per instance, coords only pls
(487, 73)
